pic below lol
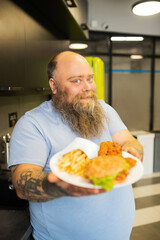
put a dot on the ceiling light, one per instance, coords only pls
(127, 38)
(78, 46)
(146, 8)
(136, 56)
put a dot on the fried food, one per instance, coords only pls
(73, 162)
(109, 167)
(132, 162)
(103, 166)
(121, 177)
(105, 170)
(109, 148)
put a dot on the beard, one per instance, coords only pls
(85, 118)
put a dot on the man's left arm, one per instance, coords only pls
(128, 143)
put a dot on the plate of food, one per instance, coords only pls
(85, 164)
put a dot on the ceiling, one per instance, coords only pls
(117, 15)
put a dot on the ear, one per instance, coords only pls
(52, 85)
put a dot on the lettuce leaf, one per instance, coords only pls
(106, 182)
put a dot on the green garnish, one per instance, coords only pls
(106, 182)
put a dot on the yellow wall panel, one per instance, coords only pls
(98, 69)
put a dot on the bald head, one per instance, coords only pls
(63, 59)
(70, 71)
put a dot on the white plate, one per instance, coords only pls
(87, 146)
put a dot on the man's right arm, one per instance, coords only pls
(31, 183)
(35, 185)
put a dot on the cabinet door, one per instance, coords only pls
(58, 17)
(79, 11)
(12, 65)
(12, 45)
(36, 65)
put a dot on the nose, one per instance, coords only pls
(86, 86)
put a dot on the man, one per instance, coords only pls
(58, 210)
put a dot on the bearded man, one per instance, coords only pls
(59, 210)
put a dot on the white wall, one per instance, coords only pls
(118, 16)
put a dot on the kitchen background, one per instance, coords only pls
(28, 39)
(31, 32)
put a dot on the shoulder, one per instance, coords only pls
(41, 109)
(41, 113)
(106, 107)
(115, 124)
(37, 118)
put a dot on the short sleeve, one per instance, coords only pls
(28, 145)
(115, 124)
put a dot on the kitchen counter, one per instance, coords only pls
(15, 225)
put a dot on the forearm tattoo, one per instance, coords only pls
(51, 189)
(35, 186)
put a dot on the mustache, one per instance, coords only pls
(86, 108)
(90, 95)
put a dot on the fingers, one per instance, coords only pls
(72, 189)
(135, 148)
(52, 178)
(133, 152)
(78, 191)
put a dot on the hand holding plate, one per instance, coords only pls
(73, 190)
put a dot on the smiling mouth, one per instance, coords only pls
(85, 99)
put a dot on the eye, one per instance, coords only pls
(90, 79)
(77, 81)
